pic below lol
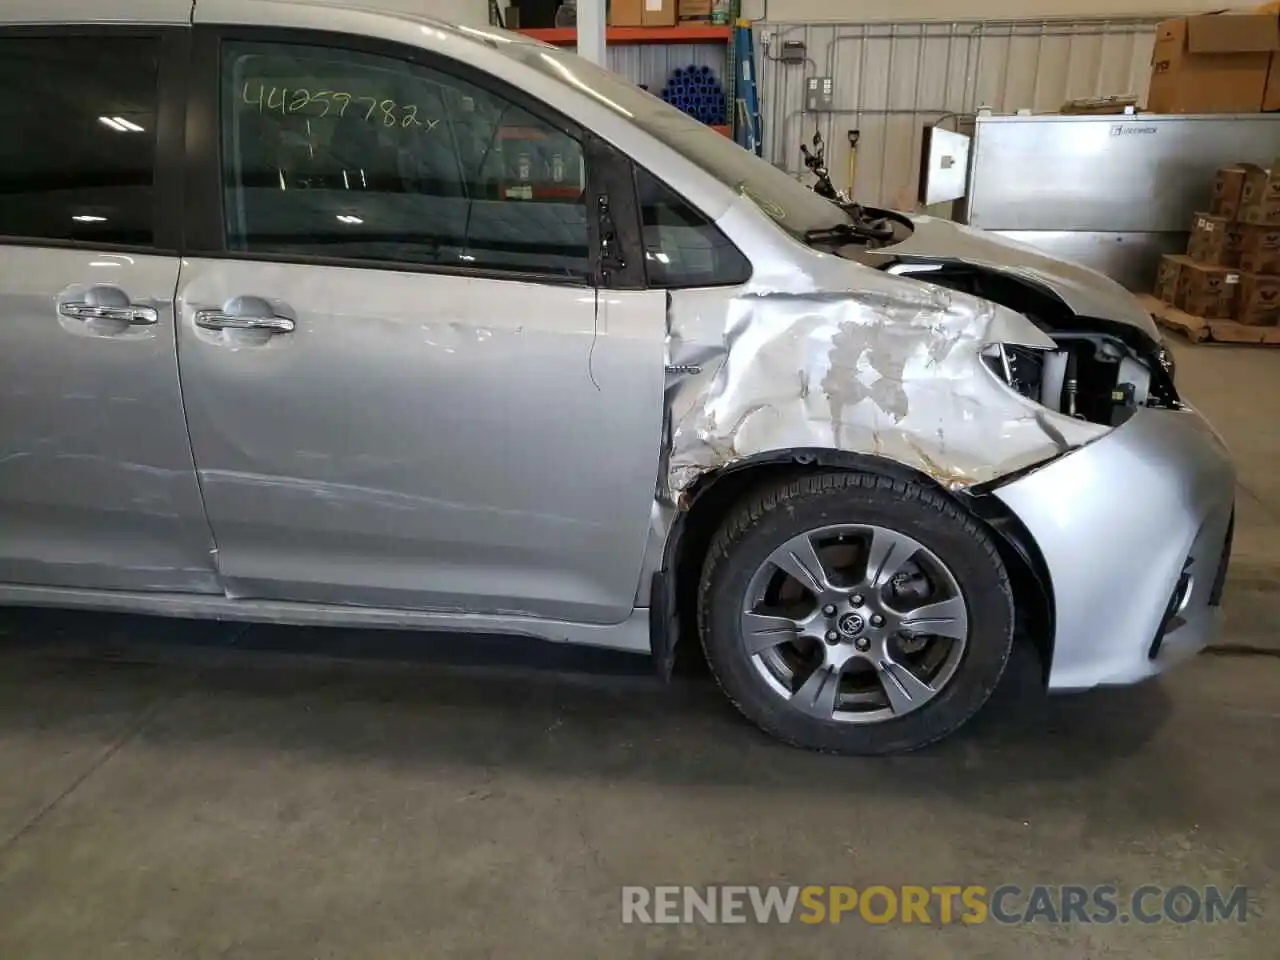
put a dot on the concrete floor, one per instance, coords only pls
(175, 790)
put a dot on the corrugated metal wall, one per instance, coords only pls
(650, 64)
(891, 79)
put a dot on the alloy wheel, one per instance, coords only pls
(855, 623)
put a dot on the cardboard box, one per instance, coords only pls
(695, 9)
(626, 13)
(1169, 277)
(1214, 240)
(1214, 63)
(642, 13)
(1234, 244)
(1271, 96)
(1099, 106)
(1259, 248)
(1259, 300)
(1267, 186)
(1260, 198)
(1206, 291)
(1228, 185)
(660, 13)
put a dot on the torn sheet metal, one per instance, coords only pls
(892, 370)
(1087, 292)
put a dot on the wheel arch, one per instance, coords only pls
(706, 504)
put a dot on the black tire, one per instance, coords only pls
(765, 520)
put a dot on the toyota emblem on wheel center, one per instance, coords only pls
(850, 625)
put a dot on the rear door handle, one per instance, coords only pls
(137, 316)
(218, 320)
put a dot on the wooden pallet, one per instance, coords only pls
(1199, 330)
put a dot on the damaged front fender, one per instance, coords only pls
(893, 371)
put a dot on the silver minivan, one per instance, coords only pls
(323, 315)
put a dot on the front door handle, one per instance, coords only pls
(218, 320)
(118, 312)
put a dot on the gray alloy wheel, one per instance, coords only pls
(854, 623)
(854, 612)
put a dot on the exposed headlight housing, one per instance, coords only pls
(1020, 367)
(1093, 377)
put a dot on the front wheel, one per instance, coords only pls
(854, 613)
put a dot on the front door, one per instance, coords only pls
(97, 486)
(401, 386)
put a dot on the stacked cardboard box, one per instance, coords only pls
(1232, 267)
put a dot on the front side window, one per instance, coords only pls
(790, 204)
(78, 138)
(682, 248)
(343, 154)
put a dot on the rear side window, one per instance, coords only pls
(682, 248)
(78, 138)
(334, 153)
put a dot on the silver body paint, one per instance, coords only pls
(419, 442)
(1117, 521)
(488, 455)
(1086, 291)
(842, 357)
(97, 485)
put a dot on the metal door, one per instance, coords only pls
(401, 387)
(422, 441)
(97, 486)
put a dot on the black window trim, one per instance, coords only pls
(610, 174)
(174, 60)
(204, 224)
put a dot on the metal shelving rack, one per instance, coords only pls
(565, 36)
(696, 33)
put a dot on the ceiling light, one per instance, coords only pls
(114, 124)
(88, 218)
(347, 218)
(128, 124)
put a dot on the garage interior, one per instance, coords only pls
(201, 789)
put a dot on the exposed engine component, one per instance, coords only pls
(816, 160)
(1101, 372)
(1091, 378)
(866, 226)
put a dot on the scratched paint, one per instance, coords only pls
(893, 370)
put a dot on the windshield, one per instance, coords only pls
(792, 206)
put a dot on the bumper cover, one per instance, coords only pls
(1120, 523)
